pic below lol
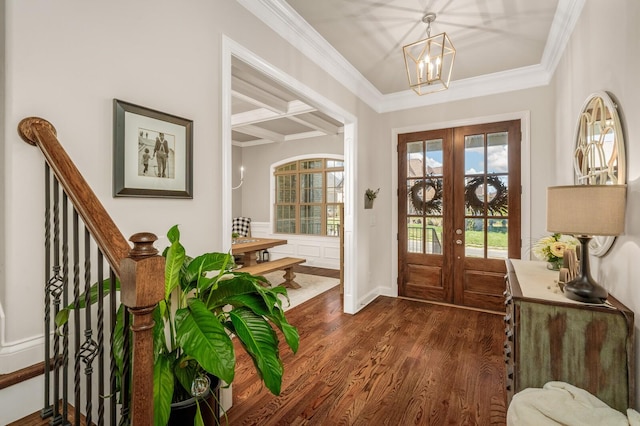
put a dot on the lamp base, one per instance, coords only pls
(585, 291)
(583, 288)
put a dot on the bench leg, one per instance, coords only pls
(288, 279)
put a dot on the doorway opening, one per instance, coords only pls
(232, 52)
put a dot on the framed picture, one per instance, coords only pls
(152, 153)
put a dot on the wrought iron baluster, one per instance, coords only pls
(100, 355)
(76, 315)
(56, 287)
(126, 368)
(47, 407)
(113, 367)
(89, 348)
(65, 302)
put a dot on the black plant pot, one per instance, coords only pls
(183, 412)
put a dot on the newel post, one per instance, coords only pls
(142, 287)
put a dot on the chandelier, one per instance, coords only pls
(429, 62)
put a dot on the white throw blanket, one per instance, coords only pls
(559, 403)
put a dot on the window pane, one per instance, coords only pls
(498, 195)
(287, 167)
(497, 238)
(335, 182)
(474, 238)
(286, 189)
(434, 157)
(310, 220)
(415, 159)
(424, 237)
(497, 154)
(333, 220)
(311, 164)
(424, 196)
(286, 219)
(433, 235)
(474, 154)
(474, 196)
(415, 235)
(311, 188)
(332, 164)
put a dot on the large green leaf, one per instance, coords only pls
(261, 342)
(200, 334)
(159, 337)
(257, 304)
(117, 345)
(62, 317)
(175, 257)
(163, 381)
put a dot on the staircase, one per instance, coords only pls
(90, 269)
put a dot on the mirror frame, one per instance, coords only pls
(599, 102)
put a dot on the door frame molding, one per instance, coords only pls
(525, 174)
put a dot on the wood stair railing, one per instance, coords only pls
(140, 269)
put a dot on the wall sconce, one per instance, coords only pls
(584, 211)
(241, 178)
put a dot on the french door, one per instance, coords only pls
(459, 213)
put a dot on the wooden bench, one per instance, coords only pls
(285, 264)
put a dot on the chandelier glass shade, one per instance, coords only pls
(429, 62)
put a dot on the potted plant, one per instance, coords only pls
(206, 303)
(369, 196)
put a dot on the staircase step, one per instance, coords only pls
(35, 419)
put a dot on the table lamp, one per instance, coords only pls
(585, 211)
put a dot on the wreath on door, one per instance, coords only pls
(499, 203)
(418, 192)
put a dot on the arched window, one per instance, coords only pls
(308, 196)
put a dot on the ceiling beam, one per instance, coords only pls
(260, 115)
(257, 96)
(287, 138)
(317, 123)
(261, 133)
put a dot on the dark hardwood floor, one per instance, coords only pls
(397, 362)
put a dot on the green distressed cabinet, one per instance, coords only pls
(549, 337)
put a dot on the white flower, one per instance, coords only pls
(551, 248)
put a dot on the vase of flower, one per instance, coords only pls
(555, 265)
(551, 249)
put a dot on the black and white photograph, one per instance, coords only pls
(152, 153)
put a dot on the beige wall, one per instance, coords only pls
(604, 54)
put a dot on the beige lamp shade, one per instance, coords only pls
(586, 209)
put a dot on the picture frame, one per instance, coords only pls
(152, 153)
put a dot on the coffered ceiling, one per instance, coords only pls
(502, 45)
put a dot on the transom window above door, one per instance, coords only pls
(308, 196)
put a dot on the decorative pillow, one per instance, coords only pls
(241, 226)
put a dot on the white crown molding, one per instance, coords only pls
(489, 84)
(285, 21)
(562, 26)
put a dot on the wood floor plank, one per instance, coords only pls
(397, 362)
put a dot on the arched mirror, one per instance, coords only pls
(599, 157)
